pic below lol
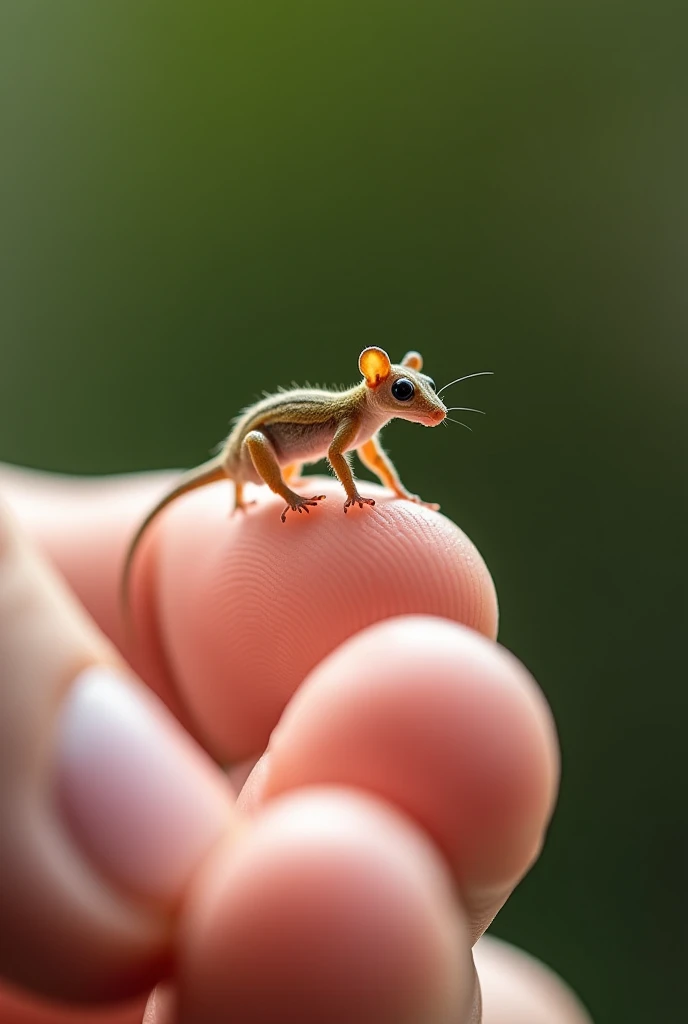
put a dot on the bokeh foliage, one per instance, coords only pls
(200, 201)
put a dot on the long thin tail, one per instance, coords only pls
(199, 477)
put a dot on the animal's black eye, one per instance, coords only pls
(431, 383)
(403, 389)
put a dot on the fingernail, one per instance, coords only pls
(140, 798)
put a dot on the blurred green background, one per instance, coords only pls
(200, 201)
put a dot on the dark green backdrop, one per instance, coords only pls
(203, 200)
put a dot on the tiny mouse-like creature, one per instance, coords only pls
(273, 438)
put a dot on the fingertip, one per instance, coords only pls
(342, 905)
(257, 604)
(449, 728)
(519, 989)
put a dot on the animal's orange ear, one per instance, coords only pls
(375, 366)
(413, 360)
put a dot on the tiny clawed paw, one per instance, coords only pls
(302, 505)
(358, 500)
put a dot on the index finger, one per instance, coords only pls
(231, 614)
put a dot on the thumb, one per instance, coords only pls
(107, 806)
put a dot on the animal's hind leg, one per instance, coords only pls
(265, 461)
(240, 503)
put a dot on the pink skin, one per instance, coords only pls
(406, 788)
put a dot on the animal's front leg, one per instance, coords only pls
(373, 455)
(337, 459)
(264, 459)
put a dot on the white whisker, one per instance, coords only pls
(483, 373)
(460, 423)
(464, 408)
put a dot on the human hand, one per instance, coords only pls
(404, 793)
